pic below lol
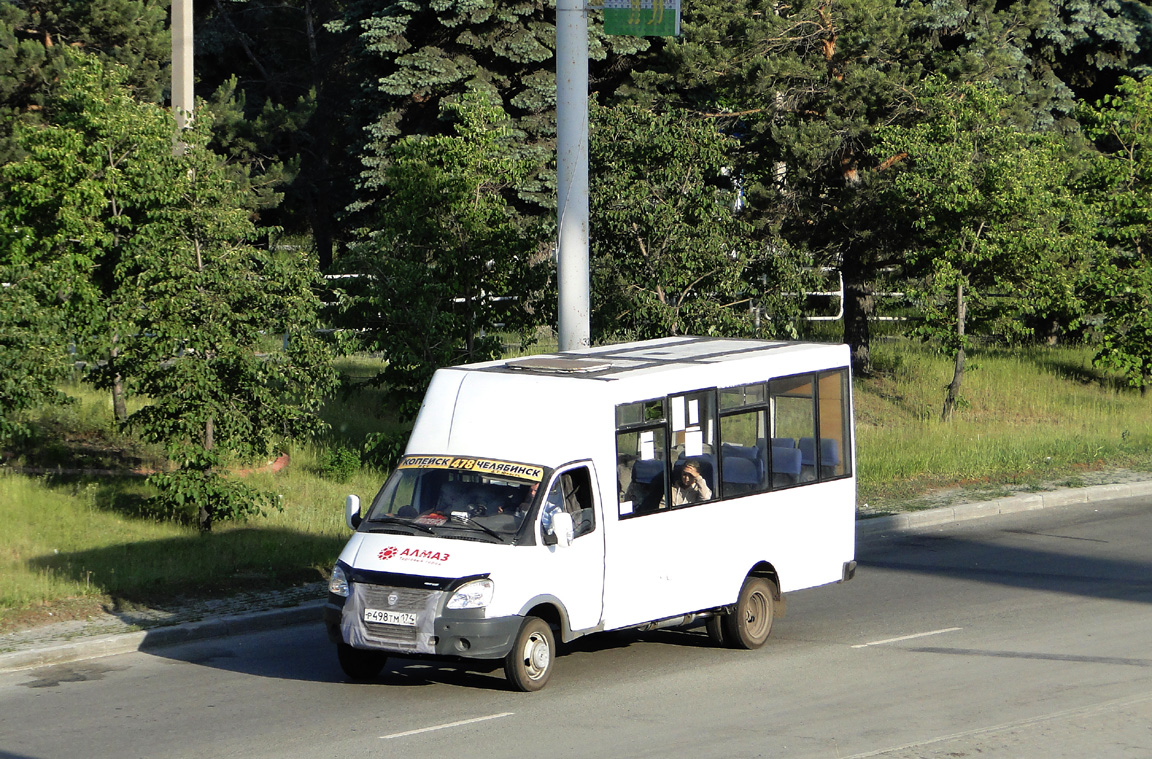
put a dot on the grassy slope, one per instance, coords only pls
(71, 544)
(1031, 417)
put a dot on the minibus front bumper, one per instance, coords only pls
(463, 633)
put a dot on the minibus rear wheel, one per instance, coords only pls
(750, 623)
(529, 664)
(360, 665)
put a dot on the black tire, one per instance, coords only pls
(715, 627)
(751, 622)
(360, 665)
(529, 664)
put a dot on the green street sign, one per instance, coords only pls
(642, 18)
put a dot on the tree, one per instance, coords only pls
(804, 85)
(447, 262)
(90, 166)
(205, 297)
(36, 35)
(32, 359)
(672, 254)
(150, 254)
(276, 79)
(999, 234)
(1120, 287)
(421, 57)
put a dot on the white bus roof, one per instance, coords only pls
(628, 360)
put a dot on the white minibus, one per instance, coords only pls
(652, 484)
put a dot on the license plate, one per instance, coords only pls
(382, 617)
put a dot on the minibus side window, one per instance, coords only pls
(743, 430)
(834, 417)
(792, 449)
(572, 492)
(641, 456)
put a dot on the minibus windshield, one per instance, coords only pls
(429, 498)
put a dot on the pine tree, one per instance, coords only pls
(420, 57)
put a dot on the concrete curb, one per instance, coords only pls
(123, 643)
(881, 527)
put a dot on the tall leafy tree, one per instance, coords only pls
(206, 292)
(150, 255)
(1120, 287)
(447, 262)
(672, 253)
(803, 86)
(999, 234)
(32, 361)
(88, 171)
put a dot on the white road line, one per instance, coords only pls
(445, 726)
(908, 637)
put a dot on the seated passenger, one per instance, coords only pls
(689, 485)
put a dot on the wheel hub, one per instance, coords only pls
(538, 655)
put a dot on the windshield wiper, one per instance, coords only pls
(454, 520)
(389, 519)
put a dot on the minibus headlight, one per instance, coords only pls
(338, 583)
(473, 595)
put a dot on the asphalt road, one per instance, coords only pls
(1022, 636)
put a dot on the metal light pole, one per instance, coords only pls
(572, 172)
(182, 95)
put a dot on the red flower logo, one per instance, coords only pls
(387, 553)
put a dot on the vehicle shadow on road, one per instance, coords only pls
(306, 655)
(311, 658)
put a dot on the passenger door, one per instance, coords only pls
(575, 574)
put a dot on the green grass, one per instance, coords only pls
(1031, 418)
(76, 536)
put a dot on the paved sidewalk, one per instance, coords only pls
(139, 630)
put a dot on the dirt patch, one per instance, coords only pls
(62, 610)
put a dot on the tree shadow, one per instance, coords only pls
(57, 442)
(170, 573)
(1067, 367)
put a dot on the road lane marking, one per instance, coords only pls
(445, 726)
(907, 637)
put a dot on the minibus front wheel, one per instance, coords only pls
(750, 623)
(529, 664)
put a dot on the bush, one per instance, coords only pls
(338, 464)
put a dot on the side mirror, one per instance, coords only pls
(352, 511)
(563, 529)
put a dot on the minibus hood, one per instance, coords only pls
(423, 555)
